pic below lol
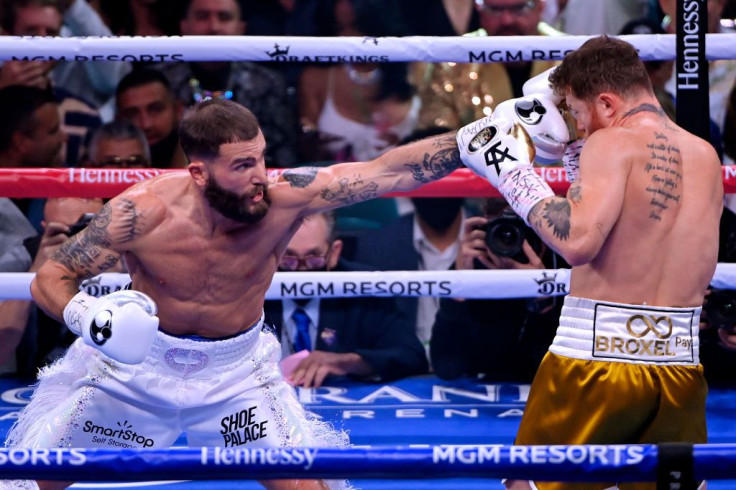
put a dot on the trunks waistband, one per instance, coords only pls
(618, 332)
(189, 355)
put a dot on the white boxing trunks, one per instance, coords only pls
(225, 393)
(605, 331)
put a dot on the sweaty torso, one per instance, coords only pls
(206, 281)
(663, 248)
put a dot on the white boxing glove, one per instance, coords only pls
(122, 325)
(542, 120)
(501, 151)
(540, 85)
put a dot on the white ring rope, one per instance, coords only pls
(471, 284)
(461, 49)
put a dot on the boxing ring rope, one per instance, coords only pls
(543, 463)
(463, 49)
(468, 284)
(107, 182)
(623, 463)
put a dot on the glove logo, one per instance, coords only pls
(482, 138)
(530, 112)
(101, 328)
(495, 156)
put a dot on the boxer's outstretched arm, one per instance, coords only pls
(403, 168)
(90, 252)
(576, 226)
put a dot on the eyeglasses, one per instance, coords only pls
(133, 161)
(312, 261)
(517, 9)
(200, 95)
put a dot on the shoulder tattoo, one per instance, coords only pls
(300, 177)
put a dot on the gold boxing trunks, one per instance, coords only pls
(618, 374)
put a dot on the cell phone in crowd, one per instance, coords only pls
(81, 223)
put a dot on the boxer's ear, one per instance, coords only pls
(199, 172)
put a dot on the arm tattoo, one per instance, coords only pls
(557, 214)
(436, 165)
(300, 177)
(349, 192)
(575, 193)
(129, 220)
(86, 253)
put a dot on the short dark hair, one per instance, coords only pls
(10, 10)
(118, 130)
(140, 77)
(213, 123)
(601, 64)
(18, 104)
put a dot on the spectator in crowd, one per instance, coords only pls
(366, 338)
(118, 144)
(140, 17)
(499, 339)
(439, 17)
(718, 319)
(455, 94)
(78, 116)
(30, 136)
(14, 257)
(260, 89)
(426, 239)
(729, 130)
(356, 111)
(30, 129)
(144, 97)
(94, 80)
(582, 17)
(39, 338)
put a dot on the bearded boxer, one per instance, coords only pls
(186, 350)
(640, 228)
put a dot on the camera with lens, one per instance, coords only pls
(81, 224)
(505, 236)
(720, 309)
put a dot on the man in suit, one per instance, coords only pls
(367, 338)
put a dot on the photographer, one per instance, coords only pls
(718, 319)
(498, 339)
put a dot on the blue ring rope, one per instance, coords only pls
(637, 462)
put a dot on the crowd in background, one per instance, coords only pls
(107, 114)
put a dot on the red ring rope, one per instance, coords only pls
(79, 182)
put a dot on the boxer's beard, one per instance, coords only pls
(235, 206)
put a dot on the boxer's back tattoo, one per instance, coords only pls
(663, 168)
(300, 177)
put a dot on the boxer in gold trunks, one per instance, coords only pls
(639, 225)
